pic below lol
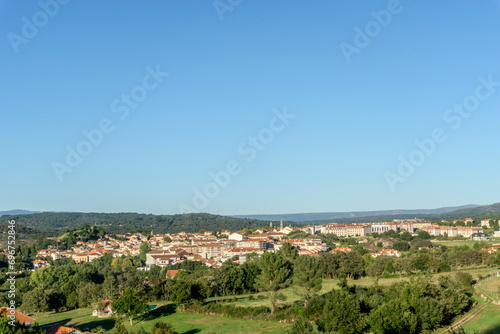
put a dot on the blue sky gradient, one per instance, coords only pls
(227, 79)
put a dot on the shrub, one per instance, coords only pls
(315, 306)
(280, 296)
(301, 326)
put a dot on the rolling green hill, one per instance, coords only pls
(131, 222)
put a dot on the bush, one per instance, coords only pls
(401, 246)
(230, 310)
(280, 296)
(301, 326)
(139, 331)
(163, 328)
(251, 297)
(464, 279)
(315, 306)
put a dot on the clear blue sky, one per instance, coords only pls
(353, 120)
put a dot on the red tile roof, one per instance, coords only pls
(171, 273)
(22, 318)
(56, 329)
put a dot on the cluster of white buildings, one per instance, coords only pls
(450, 231)
(88, 251)
(213, 251)
(169, 249)
(359, 230)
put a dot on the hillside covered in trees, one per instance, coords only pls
(130, 222)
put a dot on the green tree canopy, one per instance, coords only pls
(276, 274)
(307, 277)
(130, 304)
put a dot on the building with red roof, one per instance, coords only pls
(21, 317)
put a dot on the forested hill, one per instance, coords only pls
(131, 222)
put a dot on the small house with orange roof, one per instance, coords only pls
(56, 329)
(21, 317)
(171, 273)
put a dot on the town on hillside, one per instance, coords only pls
(213, 248)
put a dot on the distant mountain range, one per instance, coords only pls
(475, 212)
(16, 212)
(320, 216)
(126, 222)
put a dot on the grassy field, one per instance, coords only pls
(329, 284)
(486, 322)
(470, 243)
(490, 287)
(182, 322)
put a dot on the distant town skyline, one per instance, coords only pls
(249, 108)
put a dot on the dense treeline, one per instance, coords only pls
(129, 222)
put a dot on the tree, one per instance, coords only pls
(110, 287)
(42, 278)
(406, 236)
(35, 301)
(276, 274)
(56, 301)
(85, 292)
(230, 278)
(163, 328)
(167, 239)
(330, 263)
(307, 277)
(392, 317)
(252, 271)
(144, 250)
(353, 265)
(464, 279)
(401, 246)
(289, 252)
(119, 327)
(342, 314)
(155, 273)
(181, 292)
(424, 235)
(130, 304)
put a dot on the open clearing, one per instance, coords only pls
(182, 322)
(469, 243)
(329, 284)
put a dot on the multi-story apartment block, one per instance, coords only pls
(464, 231)
(348, 230)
